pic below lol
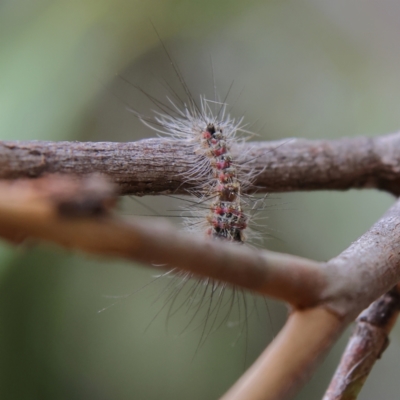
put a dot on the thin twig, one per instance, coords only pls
(154, 166)
(291, 358)
(366, 345)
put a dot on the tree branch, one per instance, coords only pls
(367, 269)
(155, 166)
(291, 358)
(346, 284)
(59, 210)
(76, 214)
(366, 345)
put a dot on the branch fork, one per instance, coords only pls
(74, 209)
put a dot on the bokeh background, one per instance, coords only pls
(301, 68)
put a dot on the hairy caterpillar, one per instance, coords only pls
(220, 178)
(218, 204)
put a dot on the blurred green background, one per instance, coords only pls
(301, 68)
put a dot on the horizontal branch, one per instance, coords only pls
(74, 214)
(155, 166)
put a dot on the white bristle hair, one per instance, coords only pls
(220, 179)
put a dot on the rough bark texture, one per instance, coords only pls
(154, 166)
(368, 268)
(366, 345)
(144, 167)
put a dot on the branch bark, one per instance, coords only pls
(53, 209)
(155, 166)
(76, 214)
(291, 358)
(366, 345)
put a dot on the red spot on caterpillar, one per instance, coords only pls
(219, 152)
(223, 164)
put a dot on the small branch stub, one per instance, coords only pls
(366, 345)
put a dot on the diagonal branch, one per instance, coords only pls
(366, 345)
(155, 166)
(291, 358)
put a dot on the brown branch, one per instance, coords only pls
(158, 166)
(76, 215)
(367, 269)
(291, 358)
(366, 345)
(57, 209)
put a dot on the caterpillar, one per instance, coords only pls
(220, 178)
(218, 206)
